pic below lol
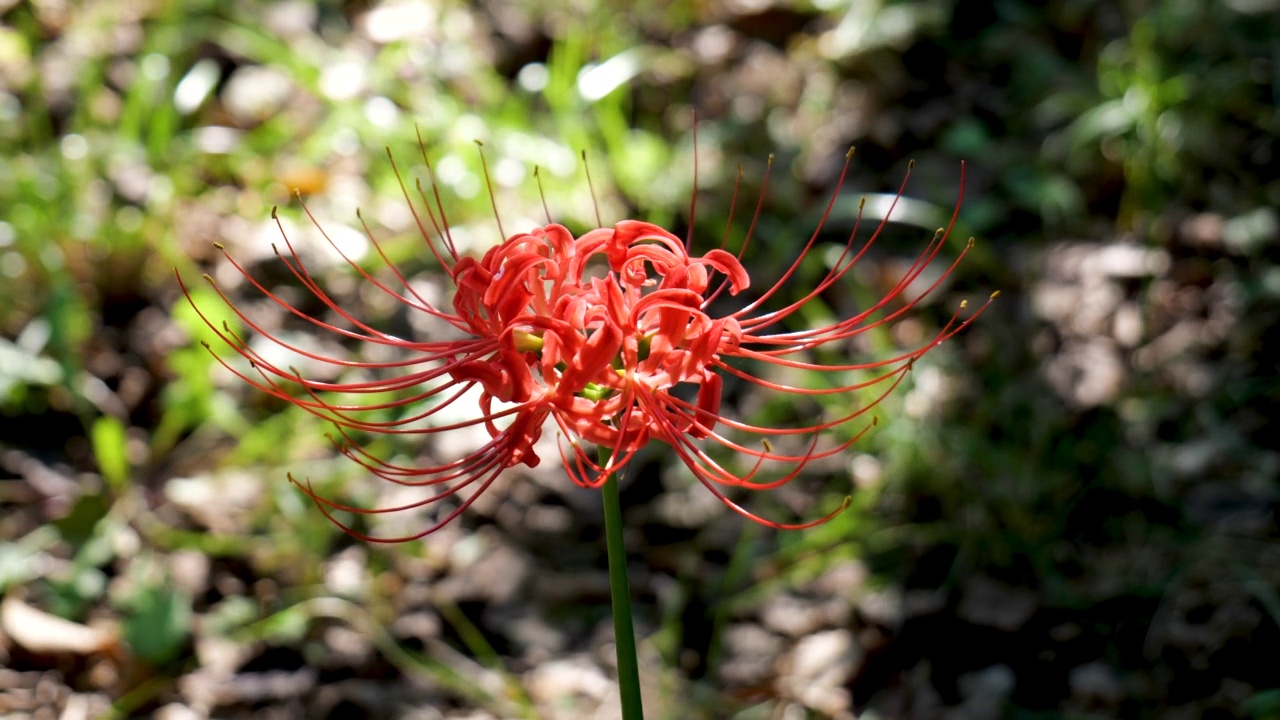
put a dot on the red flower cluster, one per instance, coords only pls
(594, 333)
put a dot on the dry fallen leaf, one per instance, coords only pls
(40, 632)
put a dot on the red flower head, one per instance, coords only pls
(595, 333)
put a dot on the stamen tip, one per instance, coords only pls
(219, 246)
(768, 446)
(849, 155)
(209, 279)
(275, 212)
(911, 164)
(994, 295)
(964, 304)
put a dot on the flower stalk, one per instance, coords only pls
(620, 592)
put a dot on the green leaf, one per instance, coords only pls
(1265, 705)
(77, 526)
(158, 623)
(108, 437)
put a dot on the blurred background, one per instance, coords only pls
(1069, 511)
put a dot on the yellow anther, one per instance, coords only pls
(527, 342)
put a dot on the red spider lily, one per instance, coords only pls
(601, 356)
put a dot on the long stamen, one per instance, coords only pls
(417, 219)
(537, 178)
(493, 200)
(693, 196)
(586, 168)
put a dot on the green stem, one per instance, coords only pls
(620, 589)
